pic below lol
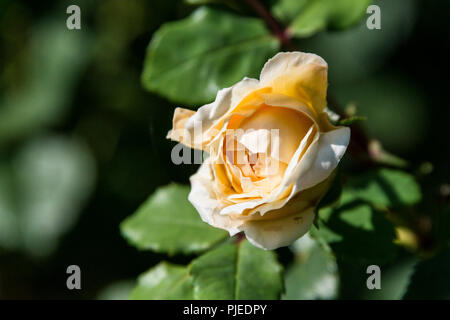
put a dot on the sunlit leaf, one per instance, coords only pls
(164, 282)
(119, 290)
(168, 223)
(237, 272)
(313, 275)
(307, 17)
(214, 50)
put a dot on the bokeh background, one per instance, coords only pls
(82, 145)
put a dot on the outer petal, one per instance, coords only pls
(331, 149)
(180, 117)
(272, 234)
(201, 126)
(317, 163)
(203, 199)
(299, 75)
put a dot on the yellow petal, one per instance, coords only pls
(299, 75)
(180, 117)
(279, 232)
(291, 127)
(203, 126)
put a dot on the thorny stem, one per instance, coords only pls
(359, 144)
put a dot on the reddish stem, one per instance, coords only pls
(239, 237)
(277, 29)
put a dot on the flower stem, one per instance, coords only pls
(239, 237)
(278, 30)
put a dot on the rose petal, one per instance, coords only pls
(203, 199)
(255, 140)
(299, 75)
(275, 233)
(268, 234)
(316, 165)
(269, 202)
(331, 149)
(203, 125)
(284, 126)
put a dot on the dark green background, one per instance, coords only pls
(395, 76)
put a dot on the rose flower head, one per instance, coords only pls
(272, 151)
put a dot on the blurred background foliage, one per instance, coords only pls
(82, 144)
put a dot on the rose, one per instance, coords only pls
(267, 176)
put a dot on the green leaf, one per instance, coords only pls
(287, 10)
(313, 275)
(383, 188)
(168, 223)
(235, 5)
(214, 273)
(239, 271)
(357, 232)
(307, 17)
(189, 60)
(164, 282)
(119, 290)
(431, 278)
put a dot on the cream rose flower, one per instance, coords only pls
(272, 151)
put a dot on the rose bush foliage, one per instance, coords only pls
(271, 174)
